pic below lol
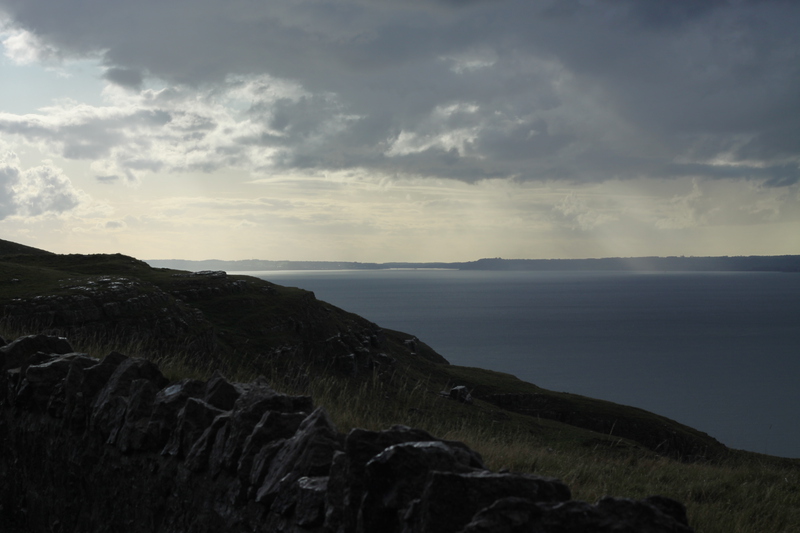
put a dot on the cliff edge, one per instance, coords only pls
(112, 445)
(241, 324)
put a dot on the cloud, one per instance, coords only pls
(778, 175)
(45, 189)
(579, 213)
(35, 191)
(23, 47)
(523, 89)
(128, 78)
(687, 211)
(113, 225)
(183, 130)
(9, 176)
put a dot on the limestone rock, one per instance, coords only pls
(256, 400)
(197, 458)
(133, 434)
(308, 453)
(111, 403)
(166, 406)
(193, 419)
(13, 354)
(450, 499)
(111, 446)
(609, 515)
(461, 394)
(396, 477)
(273, 426)
(220, 393)
(348, 471)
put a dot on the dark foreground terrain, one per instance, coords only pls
(235, 323)
(208, 324)
(111, 445)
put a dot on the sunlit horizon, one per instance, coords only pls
(396, 132)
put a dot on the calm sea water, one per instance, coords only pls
(717, 351)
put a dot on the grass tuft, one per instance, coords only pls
(740, 493)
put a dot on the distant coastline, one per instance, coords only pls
(778, 263)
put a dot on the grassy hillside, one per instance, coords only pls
(366, 376)
(12, 248)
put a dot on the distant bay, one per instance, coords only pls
(717, 351)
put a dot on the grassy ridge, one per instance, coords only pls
(741, 492)
(731, 491)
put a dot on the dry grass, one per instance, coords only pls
(746, 493)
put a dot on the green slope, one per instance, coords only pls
(366, 376)
(12, 248)
(241, 323)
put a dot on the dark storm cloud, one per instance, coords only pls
(131, 79)
(586, 91)
(774, 175)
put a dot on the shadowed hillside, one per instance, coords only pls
(12, 248)
(196, 324)
(241, 323)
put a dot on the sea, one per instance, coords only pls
(717, 351)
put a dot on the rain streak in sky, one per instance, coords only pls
(437, 130)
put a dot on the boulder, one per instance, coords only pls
(461, 394)
(197, 458)
(166, 406)
(309, 453)
(48, 380)
(110, 445)
(111, 403)
(310, 507)
(133, 435)
(193, 419)
(609, 515)
(348, 471)
(81, 385)
(13, 354)
(273, 426)
(248, 410)
(397, 476)
(220, 393)
(450, 499)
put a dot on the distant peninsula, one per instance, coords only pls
(753, 263)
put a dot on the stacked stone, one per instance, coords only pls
(111, 445)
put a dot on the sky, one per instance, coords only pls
(400, 130)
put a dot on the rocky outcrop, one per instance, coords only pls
(205, 315)
(461, 394)
(609, 515)
(114, 307)
(110, 445)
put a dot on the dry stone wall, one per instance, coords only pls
(111, 445)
